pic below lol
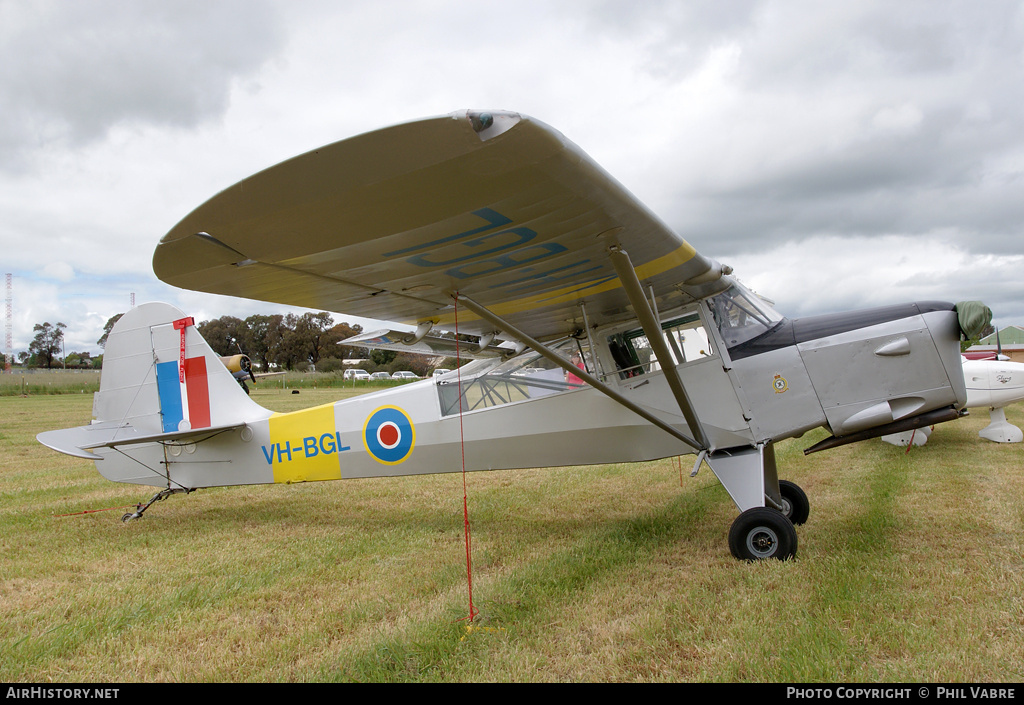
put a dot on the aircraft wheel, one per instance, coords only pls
(795, 505)
(760, 533)
(127, 518)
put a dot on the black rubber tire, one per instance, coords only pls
(794, 499)
(761, 533)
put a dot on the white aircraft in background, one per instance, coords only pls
(992, 384)
(597, 334)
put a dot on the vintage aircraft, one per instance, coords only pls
(992, 384)
(240, 367)
(495, 226)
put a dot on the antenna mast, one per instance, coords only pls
(8, 350)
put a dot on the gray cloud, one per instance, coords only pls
(70, 71)
(858, 119)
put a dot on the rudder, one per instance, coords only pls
(160, 376)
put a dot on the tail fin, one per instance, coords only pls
(160, 381)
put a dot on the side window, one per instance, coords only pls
(686, 338)
(526, 376)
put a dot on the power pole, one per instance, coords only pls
(8, 351)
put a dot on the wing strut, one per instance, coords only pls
(557, 359)
(652, 329)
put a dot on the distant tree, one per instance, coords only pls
(223, 334)
(285, 343)
(46, 346)
(102, 342)
(78, 360)
(382, 358)
(259, 336)
(413, 362)
(342, 332)
(330, 364)
(308, 338)
(314, 335)
(966, 344)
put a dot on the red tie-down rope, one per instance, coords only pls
(462, 443)
(94, 511)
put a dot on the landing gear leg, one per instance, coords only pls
(158, 497)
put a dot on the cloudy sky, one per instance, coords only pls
(838, 155)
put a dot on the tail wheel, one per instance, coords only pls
(795, 505)
(760, 533)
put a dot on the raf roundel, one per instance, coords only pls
(389, 435)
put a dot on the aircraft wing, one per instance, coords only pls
(498, 207)
(399, 341)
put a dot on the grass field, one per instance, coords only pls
(910, 569)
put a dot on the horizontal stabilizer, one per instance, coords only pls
(80, 441)
(427, 345)
(161, 384)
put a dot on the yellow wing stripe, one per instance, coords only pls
(676, 258)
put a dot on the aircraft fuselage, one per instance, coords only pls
(848, 373)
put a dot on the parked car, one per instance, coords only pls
(440, 371)
(380, 375)
(528, 371)
(404, 374)
(356, 374)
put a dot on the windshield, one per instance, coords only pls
(741, 315)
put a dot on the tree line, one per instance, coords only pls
(47, 350)
(279, 341)
(302, 342)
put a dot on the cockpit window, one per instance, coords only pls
(741, 315)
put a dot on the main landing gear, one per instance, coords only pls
(766, 532)
(762, 532)
(770, 508)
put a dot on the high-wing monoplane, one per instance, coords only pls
(598, 334)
